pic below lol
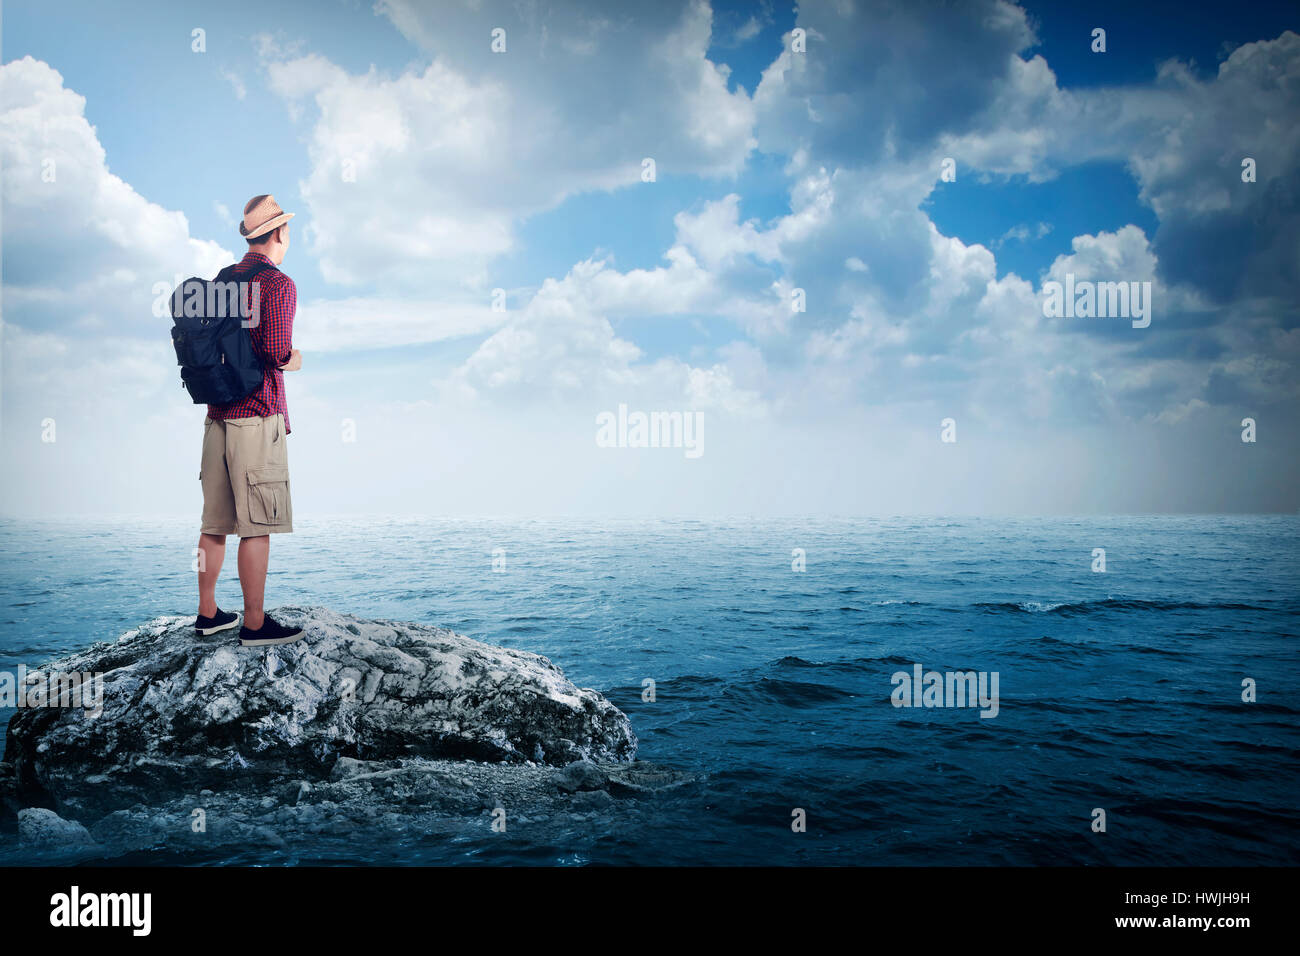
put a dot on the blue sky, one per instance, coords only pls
(775, 171)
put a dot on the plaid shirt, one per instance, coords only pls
(272, 341)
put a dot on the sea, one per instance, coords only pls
(1146, 667)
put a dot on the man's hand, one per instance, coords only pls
(294, 363)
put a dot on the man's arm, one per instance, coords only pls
(277, 316)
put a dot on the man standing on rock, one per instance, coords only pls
(245, 464)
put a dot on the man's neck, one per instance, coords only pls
(265, 255)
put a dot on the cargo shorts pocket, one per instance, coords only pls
(268, 495)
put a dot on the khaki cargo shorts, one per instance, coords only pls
(245, 476)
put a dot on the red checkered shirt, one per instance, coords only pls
(272, 341)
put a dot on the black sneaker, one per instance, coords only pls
(269, 633)
(221, 621)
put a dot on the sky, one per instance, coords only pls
(826, 233)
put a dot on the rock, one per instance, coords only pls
(270, 837)
(582, 775)
(383, 812)
(41, 827)
(291, 790)
(642, 777)
(10, 802)
(346, 767)
(181, 714)
(590, 799)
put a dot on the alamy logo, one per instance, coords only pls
(102, 909)
(1086, 299)
(213, 300)
(950, 689)
(652, 430)
(84, 689)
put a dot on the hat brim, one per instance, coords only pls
(264, 228)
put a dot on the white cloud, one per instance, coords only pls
(84, 249)
(904, 324)
(450, 157)
(365, 323)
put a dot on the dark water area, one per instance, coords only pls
(1120, 690)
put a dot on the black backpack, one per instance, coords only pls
(213, 346)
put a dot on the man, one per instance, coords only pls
(245, 465)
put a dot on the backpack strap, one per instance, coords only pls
(229, 271)
(256, 275)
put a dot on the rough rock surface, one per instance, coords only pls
(385, 810)
(39, 826)
(182, 713)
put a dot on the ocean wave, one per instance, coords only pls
(787, 693)
(1111, 604)
(856, 663)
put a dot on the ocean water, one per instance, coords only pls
(1120, 690)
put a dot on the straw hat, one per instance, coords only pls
(261, 215)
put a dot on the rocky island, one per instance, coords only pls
(362, 723)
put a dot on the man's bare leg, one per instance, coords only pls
(254, 556)
(212, 552)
